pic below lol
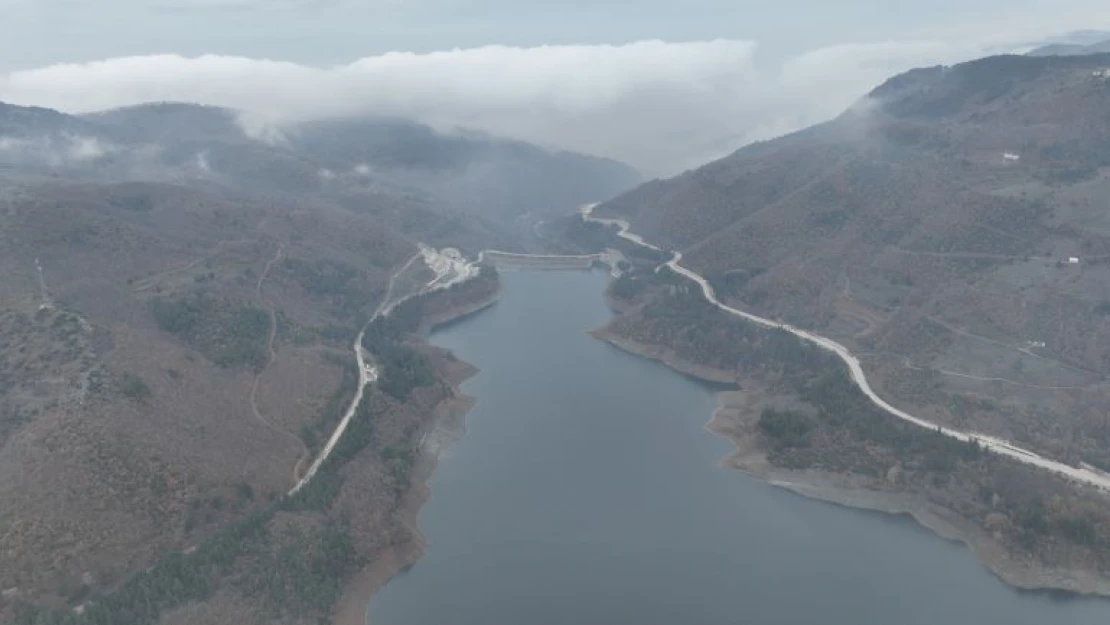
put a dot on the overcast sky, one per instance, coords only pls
(664, 85)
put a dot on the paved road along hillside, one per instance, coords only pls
(1083, 474)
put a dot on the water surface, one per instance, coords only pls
(586, 492)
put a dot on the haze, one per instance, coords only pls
(661, 86)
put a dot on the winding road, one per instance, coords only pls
(449, 271)
(1083, 474)
(367, 374)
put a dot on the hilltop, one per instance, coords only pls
(1073, 49)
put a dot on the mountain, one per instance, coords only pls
(23, 121)
(1071, 49)
(496, 179)
(478, 174)
(952, 231)
(178, 302)
(501, 182)
(953, 221)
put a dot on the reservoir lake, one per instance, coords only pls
(586, 491)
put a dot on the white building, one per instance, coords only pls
(1073, 260)
(1010, 156)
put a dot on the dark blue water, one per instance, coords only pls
(586, 492)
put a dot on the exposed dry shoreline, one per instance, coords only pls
(1021, 573)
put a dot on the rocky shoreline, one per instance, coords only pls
(1021, 573)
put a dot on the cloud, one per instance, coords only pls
(201, 162)
(87, 148)
(658, 105)
(54, 150)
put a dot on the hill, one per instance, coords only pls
(499, 180)
(951, 229)
(1066, 49)
(494, 178)
(178, 303)
(945, 205)
(507, 185)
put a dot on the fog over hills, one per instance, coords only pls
(660, 106)
(180, 296)
(200, 249)
(950, 199)
(488, 177)
(950, 231)
(1064, 49)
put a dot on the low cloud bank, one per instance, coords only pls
(54, 150)
(659, 106)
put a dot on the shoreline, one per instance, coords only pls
(843, 490)
(1084, 473)
(665, 356)
(446, 426)
(434, 322)
(394, 560)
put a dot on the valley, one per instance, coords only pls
(182, 412)
(944, 284)
(224, 398)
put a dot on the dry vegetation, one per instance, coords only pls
(202, 291)
(125, 425)
(821, 422)
(903, 230)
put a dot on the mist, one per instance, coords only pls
(54, 151)
(660, 106)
